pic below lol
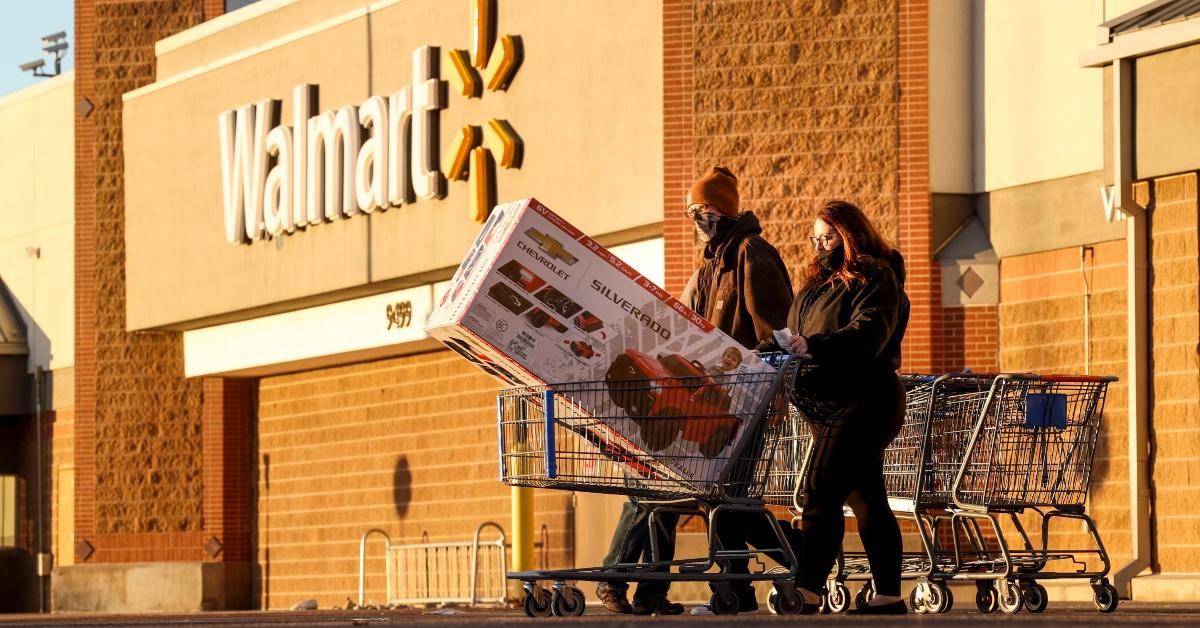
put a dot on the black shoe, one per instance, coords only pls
(657, 605)
(747, 601)
(614, 600)
(891, 608)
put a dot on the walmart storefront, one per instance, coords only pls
(299, 180)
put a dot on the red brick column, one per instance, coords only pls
(227, 410)
(922, 343)
(85, 285)
(213, 8)
(677, 141)
(970, 338)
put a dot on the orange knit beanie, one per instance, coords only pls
(717, 188)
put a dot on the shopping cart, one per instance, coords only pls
(919, 467)
(1030, 453)
(567, 437)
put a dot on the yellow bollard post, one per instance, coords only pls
(522, 526)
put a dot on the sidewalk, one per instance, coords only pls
(1129, 613)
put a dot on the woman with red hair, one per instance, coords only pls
(850, 315)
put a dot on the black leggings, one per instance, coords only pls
(847, 468)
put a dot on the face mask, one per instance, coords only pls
(830, 260)
(709, 225)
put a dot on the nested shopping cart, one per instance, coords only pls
(567, 437)
(919, 466)
(1030, 456)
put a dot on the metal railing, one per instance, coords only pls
(466, 572)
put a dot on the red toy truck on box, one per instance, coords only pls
(671, 398)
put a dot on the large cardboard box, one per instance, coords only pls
(536, 301)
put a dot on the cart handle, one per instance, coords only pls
(551, 460)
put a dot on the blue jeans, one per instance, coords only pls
(631, 544)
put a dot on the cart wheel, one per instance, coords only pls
(838, 598)
(567, 602)
(1105, 597)
(985, 600)
(915, 601)
(538, 602)
(1009, 596)
(723, 602)
(1035, 597)
(785, 601)
(939, 599)
(864, 595)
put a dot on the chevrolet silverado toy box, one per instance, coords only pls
(536, 301)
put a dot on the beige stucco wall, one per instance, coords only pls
(1037, 113)
(1048, 215)
(951, 169)
(1168, 113)
(37, 210)
(586, 102)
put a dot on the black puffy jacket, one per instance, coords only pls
(854, 332)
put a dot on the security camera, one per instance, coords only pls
(32, 66)
(54, 37)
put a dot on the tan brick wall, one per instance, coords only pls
(407, 445)
(1041, 309)
(1175, 330)
(146, 414)
(799, 99)
(138, 465)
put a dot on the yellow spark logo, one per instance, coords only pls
(475, 151)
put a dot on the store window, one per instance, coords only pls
(234, 5)
(8, 511)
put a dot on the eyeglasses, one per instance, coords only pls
(824, 239)
(695, 210)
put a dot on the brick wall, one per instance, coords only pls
(85, 262)
(969, 338)
(799, 99)
(678, 168)
(228, 408)
(1041, 331)
(921, 350)
(407, 445)
(138, 421)
(1175, 330)
(62, 454)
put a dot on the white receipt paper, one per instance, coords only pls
(783, 338)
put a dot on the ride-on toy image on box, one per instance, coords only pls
(658, 412)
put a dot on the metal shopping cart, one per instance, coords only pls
(573, 436)
(1030, 453)
(942, 415)
(919, 467)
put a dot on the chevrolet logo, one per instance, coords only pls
(551, 246)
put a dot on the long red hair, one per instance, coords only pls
(860, 241)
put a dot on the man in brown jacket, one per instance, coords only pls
(743, 288)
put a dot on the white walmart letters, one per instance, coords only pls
(318, 172)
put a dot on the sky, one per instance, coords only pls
(21, 31)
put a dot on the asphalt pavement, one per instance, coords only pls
(1129, 613)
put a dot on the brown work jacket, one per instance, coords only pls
(743, 286)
